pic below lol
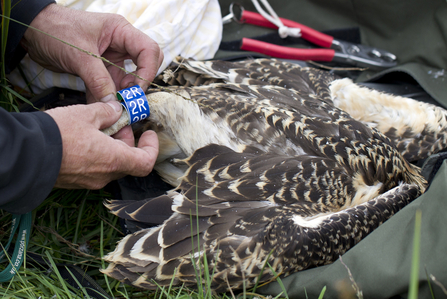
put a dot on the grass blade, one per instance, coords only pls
(78, 223)
(262, 272)
(6, 9)
(17, 95)
(56, 271)
(78, 283)
(279, 281)
(322, 293)
(101, 251)
(429, 283)
(414, 276)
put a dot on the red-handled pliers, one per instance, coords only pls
(333, 50)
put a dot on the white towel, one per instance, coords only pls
(190, 28)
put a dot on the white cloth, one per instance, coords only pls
(190, 28)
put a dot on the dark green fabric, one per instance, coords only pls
(414, 30)
(380, 264)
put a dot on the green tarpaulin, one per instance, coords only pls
(415, 31)
(381, 263)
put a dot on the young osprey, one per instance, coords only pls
(275, 168)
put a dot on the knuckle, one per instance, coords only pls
(142, 168)
(120, 19)
(146, 166)
(103, 111)
(112, 21)
(115, 167)
(146, 170)
(98, 87)
(98, 185)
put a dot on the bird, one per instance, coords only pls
(275, 168)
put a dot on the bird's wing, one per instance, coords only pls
(417, 129)
(238, 240)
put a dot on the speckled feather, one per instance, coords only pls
(266, 168)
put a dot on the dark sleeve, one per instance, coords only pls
(30, 159)
(24, 11)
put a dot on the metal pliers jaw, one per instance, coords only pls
(233, 16)
(328, 49)
(362, 56)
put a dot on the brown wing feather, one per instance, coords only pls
(278, 167)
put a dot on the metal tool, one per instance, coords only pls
(332, 49)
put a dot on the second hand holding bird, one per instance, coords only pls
(90, 158)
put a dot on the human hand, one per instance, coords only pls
(91, 159)
(107, 35)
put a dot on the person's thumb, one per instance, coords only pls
(106, 114)
(98, 81)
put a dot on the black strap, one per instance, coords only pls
(432, 165)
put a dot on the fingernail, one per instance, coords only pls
(108, 98)
(115, 105)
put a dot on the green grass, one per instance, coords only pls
(73, 227)
(65, 234)
(9, 98)
(67, 216)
